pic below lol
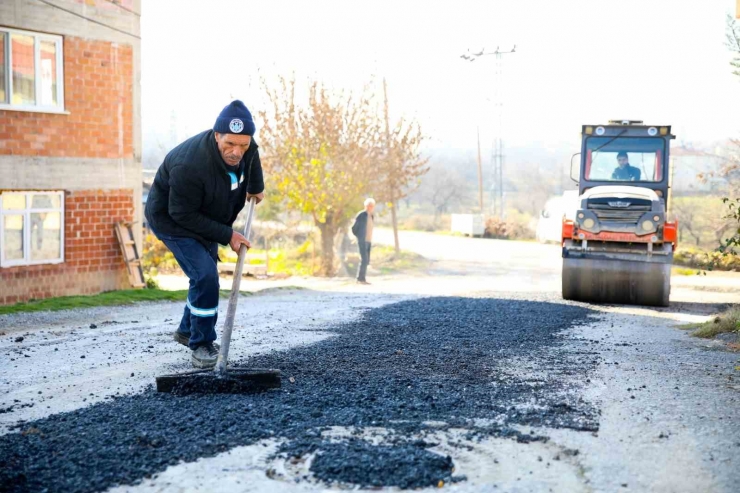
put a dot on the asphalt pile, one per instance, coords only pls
(446, 360)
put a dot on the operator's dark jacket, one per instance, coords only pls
(359, 228)
(190, 194)
(628, 173)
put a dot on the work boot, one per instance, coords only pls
(205, 356)
(181, 338)
(184, 339)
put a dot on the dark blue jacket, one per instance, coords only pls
(359, 228)
(628, 173)
(190, 193)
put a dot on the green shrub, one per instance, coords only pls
(157, 257)
(700, 259)
(725, 323)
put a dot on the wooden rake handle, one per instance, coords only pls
(223, 354)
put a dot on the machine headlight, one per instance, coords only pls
(588, 223)
(656, 218)
(600, 130)
(647, 225)
(652, 131)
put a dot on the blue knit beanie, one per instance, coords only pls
(235, 118)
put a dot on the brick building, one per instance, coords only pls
(70, 144)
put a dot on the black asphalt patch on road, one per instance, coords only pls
(357, 462)
(448, 360)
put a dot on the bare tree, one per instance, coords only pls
(319, 153)
(731, 170)
(732, 34)
(685, 213)
(702, 218)
(533, 187)
(402, 166)
(154, 153)
(443, 188)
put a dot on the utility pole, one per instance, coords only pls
(480, 175)
(497, 156)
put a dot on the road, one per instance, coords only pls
(473, 373)
(515, 266)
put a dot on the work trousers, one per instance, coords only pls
(198, 262)
(364, 247)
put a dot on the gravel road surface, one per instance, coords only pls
(472, 375)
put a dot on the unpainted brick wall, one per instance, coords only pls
(93, 262)
(98, 94)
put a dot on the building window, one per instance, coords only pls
(31, 228)
(31, 66)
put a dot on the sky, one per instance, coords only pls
(576, 62)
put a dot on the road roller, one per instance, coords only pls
(618, 247)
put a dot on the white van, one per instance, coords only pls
(550, 224)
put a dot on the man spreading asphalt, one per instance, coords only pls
(363, 230)
(198, 191)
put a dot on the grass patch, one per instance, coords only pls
(387, 261)
(300, 260)
(721, 324)
(110, 298)
(685, 271)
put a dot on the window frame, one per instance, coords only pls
(26, 213)
(588, 170)
(7, 33)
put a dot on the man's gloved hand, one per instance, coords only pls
(258, 196)
(237, 240)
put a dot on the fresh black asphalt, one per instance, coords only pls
(445, 359)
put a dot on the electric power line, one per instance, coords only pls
(89, 19)
(497, 150)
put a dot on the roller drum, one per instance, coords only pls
(616, 281)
